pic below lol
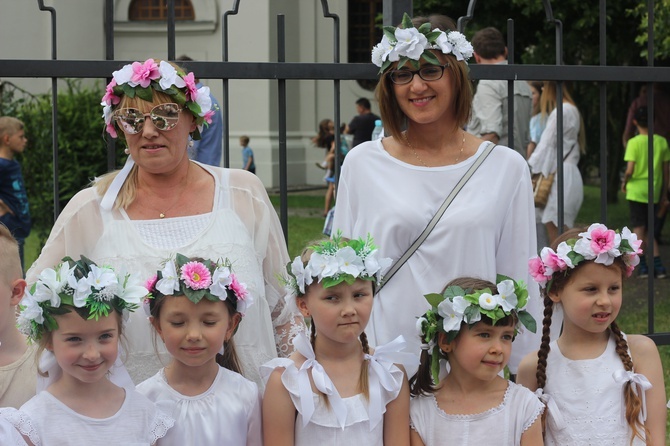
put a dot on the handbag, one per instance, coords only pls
(541, 188)
(433, 221)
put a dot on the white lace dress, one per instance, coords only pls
(46, 421)
(230, 409)
(588, 400)
(243, 226)
(501, 425)
(344, 421)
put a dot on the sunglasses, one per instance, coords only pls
(164, 117)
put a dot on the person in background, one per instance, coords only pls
(14, 207)
(489, 107)
(537, 124)
(248, 161)
(361, 126)
(208, 148)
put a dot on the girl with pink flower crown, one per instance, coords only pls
(600, 386)
(195, 306)
(335, 390)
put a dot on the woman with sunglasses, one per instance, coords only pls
(161, 203)
(425, 99)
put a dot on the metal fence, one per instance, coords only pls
(336, 72)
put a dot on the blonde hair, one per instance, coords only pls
(10, 262)
(548, 104)
(9, 126)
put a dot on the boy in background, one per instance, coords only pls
(247, 155)
(18, 374)
(635, 185)
(14, 208)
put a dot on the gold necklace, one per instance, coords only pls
(416, 155)
(183, 189)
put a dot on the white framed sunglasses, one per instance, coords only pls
(163, 116)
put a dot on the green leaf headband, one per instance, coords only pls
(411, 44)
(335, 261)
(456, 305)
(198, 279)
(92, 290)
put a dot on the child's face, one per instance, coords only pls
(340, 312)
(194, 333)
(591, 299)
(17, 142)
(85, 349)
(480, 351)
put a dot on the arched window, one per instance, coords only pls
(155, 10)
(364, 32)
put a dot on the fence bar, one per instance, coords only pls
(226, 89)
(511, 116)
(171, 37)
(336, 86)
(281, 114)
(604, 153)
(649, 254)
(109, 55)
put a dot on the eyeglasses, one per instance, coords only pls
(427, 73)
(164, 117)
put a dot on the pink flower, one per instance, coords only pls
(191, 87)
(151, 282)
(111, 130)
(552, 260)
(208, 116)
(238, 288)
(110, 98)
(629, 270)
(144, 73)
(539, 271)
(602, 240)
(196, 275)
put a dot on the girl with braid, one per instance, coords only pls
(334, 389)
(601, 387)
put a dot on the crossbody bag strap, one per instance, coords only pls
(436, 218)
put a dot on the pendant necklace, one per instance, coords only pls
(416, 155)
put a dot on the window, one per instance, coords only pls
(364, 33)
(156, 10)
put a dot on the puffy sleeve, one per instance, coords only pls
(252, 204)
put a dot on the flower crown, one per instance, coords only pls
(93, 291)
(197, 279)
(598, 243)
(335, 261)
(410, 44)
(137, 79)
(457, 305)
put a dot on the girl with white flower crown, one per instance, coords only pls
(334, 389)
(195, 306)
(76, 313)
(600, 386)
(472, 324)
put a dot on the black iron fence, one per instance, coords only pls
(282, 71)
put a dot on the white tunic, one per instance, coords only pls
(502, 425)
(488, 229)
(543, 160)
(588, 399)
(45, 420)
(243, 226)
(229, 412)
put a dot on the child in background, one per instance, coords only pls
(248, 160)
(595, 393)
(14, 208)
(17, 358)
(334, 390)
(74, 312)
(195, 306)
(472, 325)
(636, 185)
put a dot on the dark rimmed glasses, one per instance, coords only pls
(164, 117)
(427, 73)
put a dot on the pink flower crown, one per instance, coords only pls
(598, 243)
(197, 279)
(139, 78)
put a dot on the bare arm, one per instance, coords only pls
(527, 370)
(533, 435)
(278, 413)
(4, 209)
(415, 438)
(493, 137)
(396, 418)
(629, 173)
(251, 160)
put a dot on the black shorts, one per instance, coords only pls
(638, 214)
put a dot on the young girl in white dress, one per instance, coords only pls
(195, 307)
(334, 390)
(74, 312)
(472, 325)
(601, 387)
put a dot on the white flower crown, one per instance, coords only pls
(410, 44)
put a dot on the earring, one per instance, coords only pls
(190, 143)
(126, 151)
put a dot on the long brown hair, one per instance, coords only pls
(548, 103)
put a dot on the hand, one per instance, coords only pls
(4, 209)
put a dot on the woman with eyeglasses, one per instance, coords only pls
(161, 203)
(396, 185)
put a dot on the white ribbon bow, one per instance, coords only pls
(109, 198)
(640, 384)
(321, 381)
(554, 416)
(381, 362)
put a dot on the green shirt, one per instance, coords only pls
(636, 151)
